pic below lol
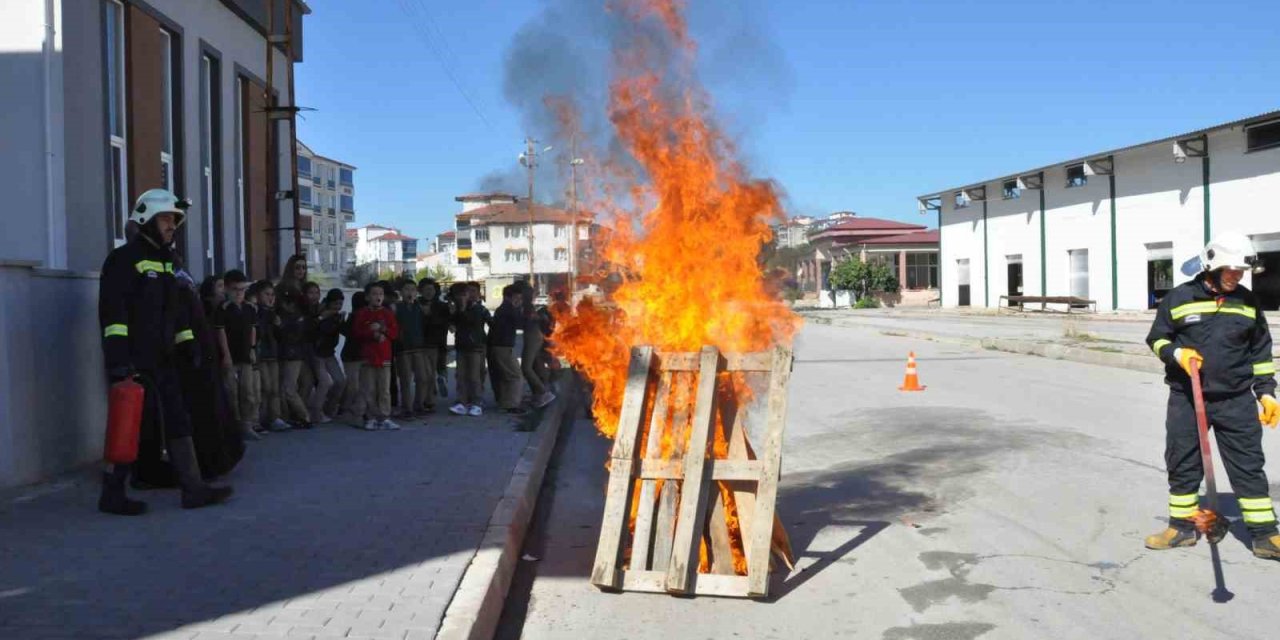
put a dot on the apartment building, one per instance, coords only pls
(326, 196)
(385, 248)
(500, 237)
(103, 100)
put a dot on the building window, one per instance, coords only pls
(961, 200)
(559, 231)
(562, 254)
(114, 37)
(348, 203)
(210, 139)
(167, 116)
(1075, 176)
(304, 167)
(346, 177)
(1011, 190)
(513, 231)
(1078, 261)
(922, 270)
(1263, 136)
(517, 255)
(481, 234)
(304, 195)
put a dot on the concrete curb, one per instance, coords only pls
(1143, 363)
(477, 604)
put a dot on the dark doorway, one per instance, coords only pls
(1267, 283)
(1015, 279)
(962, 282)
(1159, 280)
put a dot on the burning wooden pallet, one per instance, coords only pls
(655, 533)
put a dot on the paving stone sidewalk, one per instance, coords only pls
(332, 533)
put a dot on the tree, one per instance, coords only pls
(863, 278)
(360, 275)
(439, 273)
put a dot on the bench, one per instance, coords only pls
(1072, 302)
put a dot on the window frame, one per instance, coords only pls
(1261, 125)
(346, 177)
(306, 196)
(168, 84)
(1011, 192)
(343, 207)
(1079, 180)
(304, 173)
(914, 270)
(960, 200)
(210, 124)
(480, 234)
(117, 159)
(561, 253)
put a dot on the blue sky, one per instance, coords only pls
(849, 105)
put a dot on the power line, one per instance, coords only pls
(424, 33)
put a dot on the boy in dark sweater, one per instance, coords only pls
(295, 352)
(375, 328)
(269, 358)
(411, 359)
(502, 341)
(236, 324)
(325, 359)
(469, 344)
(435, 326)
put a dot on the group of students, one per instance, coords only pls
(282, 369)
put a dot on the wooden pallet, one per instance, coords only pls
(672, 516)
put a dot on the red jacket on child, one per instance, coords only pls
(375, 353)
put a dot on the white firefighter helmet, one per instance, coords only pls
(157, 201)
(1229, 250)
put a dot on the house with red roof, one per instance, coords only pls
(501, 236)
(385, 248)
(911, 250)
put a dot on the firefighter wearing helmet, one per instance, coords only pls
(145, 333)
(1216, 322)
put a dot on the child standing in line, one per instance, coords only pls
(291, 336)
(353, 407)
(236, 324)
(435, 319)
(469, 344)
(375, 327)
(410, 356)
(328, 330)
(313, 383)
(502, 341)
(269, 357)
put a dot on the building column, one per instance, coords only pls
(902, 269)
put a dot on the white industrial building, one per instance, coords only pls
(1116, 227)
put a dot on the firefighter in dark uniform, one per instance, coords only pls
(1217, 322)
(145, 332)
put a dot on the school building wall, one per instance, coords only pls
(1159, 209)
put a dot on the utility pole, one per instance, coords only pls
(529, 159)
(574, 163)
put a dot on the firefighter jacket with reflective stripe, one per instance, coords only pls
(1229, 330)
(142, 317)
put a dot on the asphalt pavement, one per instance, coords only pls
(1008, 500)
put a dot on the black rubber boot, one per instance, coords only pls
(195, 493)
(113, 499)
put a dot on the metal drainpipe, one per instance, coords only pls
(1115, 278)
(52, 258)
(939, 254)
(986, 261)
(1205, 166)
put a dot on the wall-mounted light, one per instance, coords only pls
(1197, 147)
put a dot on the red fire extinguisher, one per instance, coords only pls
(124, 421)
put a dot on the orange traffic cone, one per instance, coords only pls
(912, 381)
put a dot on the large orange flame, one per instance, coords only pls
(684, 229)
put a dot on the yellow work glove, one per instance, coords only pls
(1185, 355)
(1270, 414)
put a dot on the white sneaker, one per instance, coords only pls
(475, 411)
(279, 425)
(371, 425)
(458, 409)
(387, 425)
(544, 399)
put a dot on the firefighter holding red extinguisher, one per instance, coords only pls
(145, 334)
